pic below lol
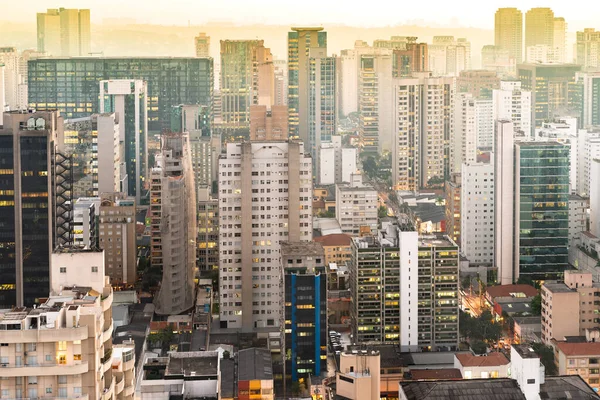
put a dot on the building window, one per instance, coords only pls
(32, 380)
(62, 379)
(63, 270)
(49, 390)
(94, 269)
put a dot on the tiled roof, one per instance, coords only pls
(579, 349)
(435, 374)
(335, 239)
(491, 360)
(480, 389)
(506, 290)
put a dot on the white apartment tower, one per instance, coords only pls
(337, 163)
(588, 149)
(127, 94)
(477, 222)
(423, 122)
(173, 224)
(265, 197)
(504, 154)
(512, 103)
(356, 206)
(473, 129)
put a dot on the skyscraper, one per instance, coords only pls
(64, 32)
(473, 129)
(415, 58)
(587, 50)
(322, 95)
(171, 81)
(265, 196)
(28, 227)
(173, 224)
(511, 102)
(300, 41)
(589, 85)
(268, 124)
(541, 209)
(127, 98)
(202, 42)
(553, 89)
(539, 27)
(423, 119)
(508, 31)
(246, 79)
(560, 40)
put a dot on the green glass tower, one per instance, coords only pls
(72, 85)
(541, 209)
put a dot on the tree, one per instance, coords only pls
(536, 304)
(466, 282)
(382, 212)
(478, 347)
(370, 166)
(162, 338)
(546, 354)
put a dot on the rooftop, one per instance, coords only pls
(481, 389)
(518, 290)
(435, 374)
(335, 239)
(193, 363)
(295, 249)
(566, 387)
(436, 241)
(490, 360)
(254, 364)
(429, 212)
(525, 351)
(578, 349)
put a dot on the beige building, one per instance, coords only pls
(477, 82)
(337, 248)
(64, 32)
(359, 375)
(202, 42)
(117, 237)
(173, 224)
(265, 197)
(356, 206)
(578, 358)
(63, 348)
(508, 32)
(268, 122)
(570, 307)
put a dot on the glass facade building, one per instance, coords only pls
(81, 143)
(322, 100)
(541, 209)
(71, 85)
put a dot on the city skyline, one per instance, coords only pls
(178, 12)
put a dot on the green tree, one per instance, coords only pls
(536, 304)
(382, 212)
(369, 165)
(162, 338)
(478, 347)
(546, 354)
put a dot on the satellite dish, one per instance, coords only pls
(40, 123)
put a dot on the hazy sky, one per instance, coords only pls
(578, 13)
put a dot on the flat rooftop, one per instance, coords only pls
(193, 363)
(294, 249)
(525, 351)
(254, 364)
(436, 241)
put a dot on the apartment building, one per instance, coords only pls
(173, 224)
(512, 103)
(356, 206)
(570, 308)
(452, 192)
(578, 357)
(336, 247)
(265, 196)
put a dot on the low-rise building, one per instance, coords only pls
(255, 374)
(337, 247)
(493, 365)
(356, 206)
(497, 297)
(359, 375)
(527, 329)
(578, 357)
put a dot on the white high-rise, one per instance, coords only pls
(595, 198)
(564, 130)
(504, 154)
(120, 96)
(336, 163)
(473, 129)
(265, 197)
(423, 121)
(448, 57)
(588, 149)
(477, 222)
(514, 104)
(348, 74)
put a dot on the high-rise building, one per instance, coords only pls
(589, 85)
(128, 99)
(374, 106)
(94, 145)
(595, 198)
(244, 80)
(280, 85)
(265, 196)
(300, 41)
(117, 237)
(202, 42)
(414, 58)
(560, 40)
(423, 121)
(477, 222)
(449, 56)
(383, 308)
(587, 48)
(29, 229)
(268, 123)
(64, 32)
(514, 104)
(173, 224)
(322, 93)
(85, 230)
(64, 346)
(552, 86)
(504, 199)
(479, 83)
(452, 192)
(349, 74)
(208, 230)
(9, 59)
(588, 149)
(541, 209)
(171, 81)
(508, 31)
(539, 27)
(336, 162)
(497, 59)
(304, 309)
(473, 129)
(356, 206)
(578, 217)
